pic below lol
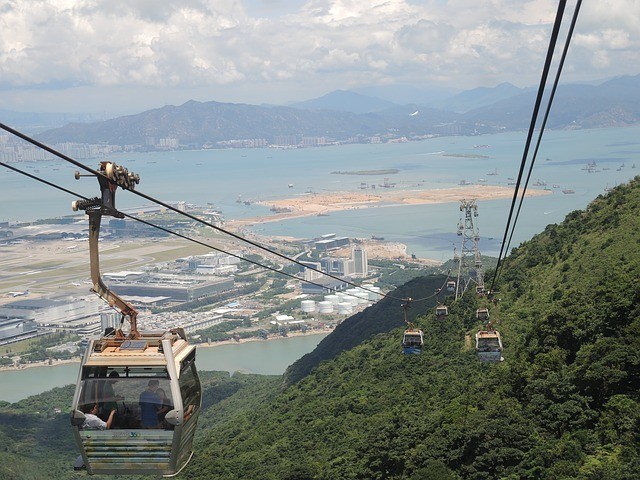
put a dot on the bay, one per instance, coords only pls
(225, 179)
(270, 357)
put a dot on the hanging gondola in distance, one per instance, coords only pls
(441, 311)
(412, 341)
(489, 346)
(451, 286)
(138, 396)
(482, 314)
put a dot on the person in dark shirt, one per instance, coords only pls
(150, 403)
(166, 406)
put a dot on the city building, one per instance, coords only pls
(324, 285)
(360, 260)
(177, 287)
(331, 243)
(15, 329)
(80, 315)
(308, 274)
(337, 266)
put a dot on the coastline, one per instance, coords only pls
(314, 204)
(77, 360)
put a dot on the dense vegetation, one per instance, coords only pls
(565, 403)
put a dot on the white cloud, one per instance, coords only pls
(232, 50)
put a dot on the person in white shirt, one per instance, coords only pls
(93, 422)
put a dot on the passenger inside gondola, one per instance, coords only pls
(109, 397)
(92, 421)
(150, 405)
(121, 390)
(166, 406)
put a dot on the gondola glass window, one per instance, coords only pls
(123, 390)
(189, 386)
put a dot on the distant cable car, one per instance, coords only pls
(451, 287)
(489, 346)
(412, 339)
(412, 342)
(138, 396)
(482, 314)
(441, 311)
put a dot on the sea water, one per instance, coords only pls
(270, 357)
(232, 180)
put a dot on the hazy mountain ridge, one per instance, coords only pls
(197, 124)
(344, 100)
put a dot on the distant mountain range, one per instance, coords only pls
(342, 115)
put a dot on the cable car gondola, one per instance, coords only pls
(138, 396)
(442, 311)
(412, 339)
(412, 342)
(482, 314)
(489, 346)
(451, 287)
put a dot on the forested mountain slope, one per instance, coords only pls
(381, 317)
(563, 404)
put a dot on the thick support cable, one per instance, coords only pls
(546, 115)
(534, 116)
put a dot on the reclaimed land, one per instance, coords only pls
(387, 171)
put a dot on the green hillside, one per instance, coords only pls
(564, 404)
(381, 317)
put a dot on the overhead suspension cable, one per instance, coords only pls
(534, 116)
(546, 115)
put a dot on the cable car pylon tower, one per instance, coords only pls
(469, 261)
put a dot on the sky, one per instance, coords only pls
(127, 56)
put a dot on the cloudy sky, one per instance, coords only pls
(125, 56)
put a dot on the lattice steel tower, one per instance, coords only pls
(469, 260)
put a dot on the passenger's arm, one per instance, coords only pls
(110, 420)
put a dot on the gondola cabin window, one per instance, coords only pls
(190, 388)
(139, 395)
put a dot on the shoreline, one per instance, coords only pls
(314, 204)
(78, 360)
